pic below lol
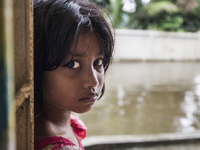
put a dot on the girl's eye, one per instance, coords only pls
(98, 62)
(73, 64)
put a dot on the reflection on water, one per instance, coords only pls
(148, 98)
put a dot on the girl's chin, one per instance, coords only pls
(84, 110)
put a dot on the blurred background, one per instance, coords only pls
(153, 85)
(164, 15)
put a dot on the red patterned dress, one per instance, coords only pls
(61, 143)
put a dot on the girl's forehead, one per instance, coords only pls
(84, 43)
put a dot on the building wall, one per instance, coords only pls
(156, 46)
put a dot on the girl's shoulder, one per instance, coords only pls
(55, 143)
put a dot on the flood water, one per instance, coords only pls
(147, 98)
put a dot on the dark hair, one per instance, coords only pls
(57, 23)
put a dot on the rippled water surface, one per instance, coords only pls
(148, 98)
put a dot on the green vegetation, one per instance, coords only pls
(163, 15)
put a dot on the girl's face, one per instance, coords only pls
(76, 83)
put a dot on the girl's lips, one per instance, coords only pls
(90, 99)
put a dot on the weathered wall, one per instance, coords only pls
(157, 46)
(23, 51)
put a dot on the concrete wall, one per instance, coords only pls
(156, 46)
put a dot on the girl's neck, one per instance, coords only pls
(52, 122)
(56, 116)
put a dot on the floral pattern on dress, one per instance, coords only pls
(56, 147)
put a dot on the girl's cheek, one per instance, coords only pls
(102, 78)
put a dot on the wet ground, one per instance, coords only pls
(148, 98)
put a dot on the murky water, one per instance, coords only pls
(148, 98)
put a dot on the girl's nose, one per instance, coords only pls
(90, 78)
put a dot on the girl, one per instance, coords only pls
(73, 49)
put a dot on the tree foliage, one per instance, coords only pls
(164, 15)
(157, 8)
